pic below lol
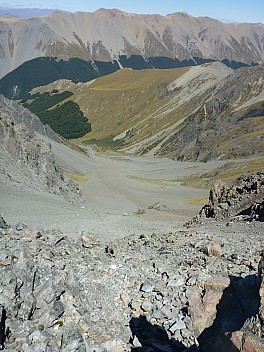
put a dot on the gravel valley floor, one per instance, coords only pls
(121, 195)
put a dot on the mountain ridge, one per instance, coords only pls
(105, 35)
(24, 12)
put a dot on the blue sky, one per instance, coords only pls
(237, 10)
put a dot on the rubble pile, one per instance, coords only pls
(183, 291)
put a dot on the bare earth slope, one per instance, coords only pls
(107, 34)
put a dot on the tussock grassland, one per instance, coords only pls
(132, 101)
(127, 101)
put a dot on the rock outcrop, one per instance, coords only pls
(261, 293)
(244, 200)
(25, 159)
(20, 115)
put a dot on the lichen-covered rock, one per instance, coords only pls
(203, 304)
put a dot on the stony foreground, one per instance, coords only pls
(194, 290)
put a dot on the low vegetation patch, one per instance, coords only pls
(76, 176)
(156, 182)
(228, 173)
(196, 201)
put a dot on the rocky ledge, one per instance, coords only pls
(184, 291)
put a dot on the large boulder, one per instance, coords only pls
(203, 306)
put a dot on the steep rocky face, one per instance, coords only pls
(108, 34)
(25, 159)
(23, 116)
(228, 124)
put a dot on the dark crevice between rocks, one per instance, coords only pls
(254, 212)
(2, 328)
(240, 301)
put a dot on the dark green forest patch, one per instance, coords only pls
(65, 119)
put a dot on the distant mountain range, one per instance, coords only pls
(25, 12)
(141, 41)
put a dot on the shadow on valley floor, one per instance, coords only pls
(239, 302)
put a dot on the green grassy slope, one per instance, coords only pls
(180, 113)
(126, 100)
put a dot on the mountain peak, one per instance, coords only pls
(113, 11)
(179, 13)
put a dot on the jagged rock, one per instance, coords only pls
(89, 241)
(179, 325)
(244, 199)
(147, 306)
(147, 286)
(257, 211)
(3, 224)
(20, 226)
(136, 343)
(214, 249)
